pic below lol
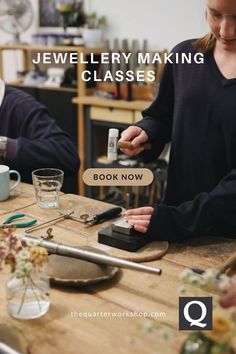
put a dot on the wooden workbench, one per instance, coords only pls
(59, 332)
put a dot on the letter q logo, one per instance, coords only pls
(195, 313)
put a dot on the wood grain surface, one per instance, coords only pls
(108, 317)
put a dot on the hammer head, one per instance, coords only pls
(114, 145)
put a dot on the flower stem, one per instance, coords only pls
(35, 294)
(23, 297)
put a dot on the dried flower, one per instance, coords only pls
(38, 255)
(222, 329)
(218, 340)
(229, 297)
(22, 260)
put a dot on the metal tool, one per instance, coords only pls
(9, 221)
(96, 218)
(69, 251)
(6, 349)
(84, 218)
(122, 226)
(228, 264)
(62, 216)
(127, 200)
(113, 144)
(123, 237)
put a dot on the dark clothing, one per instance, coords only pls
(34, 139)
(196, 111)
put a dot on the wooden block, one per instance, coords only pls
(137, 116)
(112, 115)
(139, 92)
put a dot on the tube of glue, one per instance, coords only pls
(112, 144)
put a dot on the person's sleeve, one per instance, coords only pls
(207, 214)
(157, 119)
(41, 142)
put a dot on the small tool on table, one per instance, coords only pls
(62, 216)
(97, 218)
(228, 264)
(84, 218)
(10, 221)
(123, 236)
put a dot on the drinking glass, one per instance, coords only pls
(47, 184)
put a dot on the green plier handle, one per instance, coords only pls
(8, 221)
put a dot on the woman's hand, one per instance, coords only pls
(139, 218)
(137, 136)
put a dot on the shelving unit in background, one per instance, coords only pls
(95, 111)
(53, 97)
(100, 115)
(106, 112)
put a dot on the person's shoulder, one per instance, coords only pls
(186, 46)
(14, 93)
(17, 96)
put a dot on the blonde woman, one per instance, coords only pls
(196, 111)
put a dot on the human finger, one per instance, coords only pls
(132, 152)
(139, 217)
(130, 133)
(139, 211)
(139, 139)
(140, 228)
(144, 223)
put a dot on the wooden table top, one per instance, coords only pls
(110, 315)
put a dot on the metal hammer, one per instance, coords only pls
(114, 144)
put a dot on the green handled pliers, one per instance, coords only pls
(9, 222)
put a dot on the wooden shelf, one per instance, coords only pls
(102, 102)
(38, 48)
(21, 85)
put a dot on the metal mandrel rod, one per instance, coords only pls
(6, 349)
(94, 257)
(127, 200)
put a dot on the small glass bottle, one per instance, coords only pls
(28, 297)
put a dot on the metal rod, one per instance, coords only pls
(5, 349)
(69, 251)
(62, 216)
(127, 201)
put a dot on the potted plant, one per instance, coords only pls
(92, 31)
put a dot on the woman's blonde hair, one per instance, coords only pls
(206, 43)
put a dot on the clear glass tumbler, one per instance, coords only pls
(47, 184)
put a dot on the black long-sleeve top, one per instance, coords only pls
(196, 111)
(34, 138)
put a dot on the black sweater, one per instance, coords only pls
(196, 111)
(35, 140)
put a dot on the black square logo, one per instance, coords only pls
(195, 313)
